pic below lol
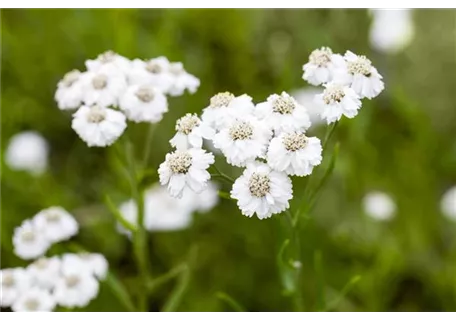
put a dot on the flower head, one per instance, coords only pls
(14, 282)
(182, 80)
(103, 88)
(243, 140)
(94, 264)
(190, 132)
(294, 153)
(337, 100)
(75, 288)
(109, 61)
(184, 169)
(27, 151)
(44, 272)
(358, 73)
(319, 68)
(144, 103)
(97, 126)
(379, 206)
(154, 72)
(35, 299)
(56, 224)
(262, 190)
(69, 91)
(283, 113)
(29, 242)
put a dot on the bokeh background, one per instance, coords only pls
(402, 143)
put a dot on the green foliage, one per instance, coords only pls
(402, 143)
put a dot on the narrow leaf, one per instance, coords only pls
(230, 301)
(118, 215)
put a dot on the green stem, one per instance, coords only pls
(139, 237)
(220, 174)
(148, 143)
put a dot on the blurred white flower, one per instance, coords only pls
(109, 60)
(319, 68)
(75, 288)
(144, 103)
(182, 80)
(92, 263)
(391, 30)
(56, 224)
(69, 91)
(262, 190)
(34, 300)
(44, 272)
(27, 151)
(190, 132)
(243, 140)
(294, 153)
(97, 126)
(358, 73)
(186, 169)
(379, 206)
(29, 242)
(306, 98)
(448, 203)
(283, 113)
(337, 100)
(103, 88)
(206, 200)
(153, 72)
(224, 108)
(14, 283)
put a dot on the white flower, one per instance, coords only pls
(358, 73)
(165, 213)
(206, 200)
(391, 30)
(185, 169)
(103, 88)
(44, 272)
(29, 242)
(109, 60)
(144, 103)
(224, 108)
(97, 126)
(27, 151)
(283, 113)
(182, 80)
(153, 72)
(448, 203)
(262, 190)
(14, 283)
(75, 288)
(34, 300)
(94, 264)
(319, 68)
(379, 206)
(338, 100)
(243, 140)
(190, 132)
(294, 153)
(306, 97)
(56, 224)
(69, 91)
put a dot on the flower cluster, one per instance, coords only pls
(347, 79)
(69, 281)
(114, 89)
(164, 213)
(34, 236)
(269, 139)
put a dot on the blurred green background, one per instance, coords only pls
(402, 142)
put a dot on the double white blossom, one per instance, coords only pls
(379, 206)
(103, 87)
(14, 282)
(144, 103)
(44, 272)
(27, 151)
(75, 288)
(69, 91)
(262, 191)
(35, 299)
(29, 242)
(190, 132)
(56, 224)
(186, 169)
(320, 67)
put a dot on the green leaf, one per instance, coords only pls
(118, 215)
(353, 281)
(176, 296)
(119, 291)
(285, 270)
(171, 274)
(230, 301)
